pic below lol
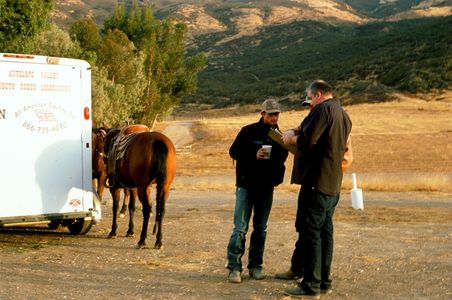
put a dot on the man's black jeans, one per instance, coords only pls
(314, 223)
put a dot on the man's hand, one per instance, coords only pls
(289, 137)
(261, 154)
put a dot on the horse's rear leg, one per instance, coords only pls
(133, 199)
(125, 203)
(145, 199)
(115, 193)
(160, 213)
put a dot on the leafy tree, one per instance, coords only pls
(108, 103)
(123, 66)
(86, 33)
(169, 74)
(56, 42)
(115, 54)
(20, 23)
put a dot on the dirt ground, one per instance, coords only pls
(399, 247)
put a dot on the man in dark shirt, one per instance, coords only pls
(258, 171)
(321, 144)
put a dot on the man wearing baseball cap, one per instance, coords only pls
(259, 168)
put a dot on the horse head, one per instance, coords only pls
(98, 154)
(98, 141)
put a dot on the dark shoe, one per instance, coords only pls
(289, 275)
(234, 276)
(326, 290)
(256, 273)
(300, 292)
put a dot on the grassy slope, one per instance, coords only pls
(412, 55)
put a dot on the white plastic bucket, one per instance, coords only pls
(356, 195)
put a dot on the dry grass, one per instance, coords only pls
(398, 146)
(398, 182)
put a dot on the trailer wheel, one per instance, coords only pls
(54, 225)
(80, 226)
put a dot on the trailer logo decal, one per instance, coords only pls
(45, 116)
(75, 202)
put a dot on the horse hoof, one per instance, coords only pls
(142, 243)
(111, 236)
(129, 234)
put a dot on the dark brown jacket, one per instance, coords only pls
(321, 146)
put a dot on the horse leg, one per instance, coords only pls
(101, 185)
(122, 213)
(143, 195)
(115, 193)
(160, 212)
(94, 182)
(132, 201)
(95, 185)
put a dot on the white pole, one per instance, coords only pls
(354, 181)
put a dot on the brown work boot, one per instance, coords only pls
(235, 276)
(289, 275)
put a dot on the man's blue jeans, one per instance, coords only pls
(247, 201)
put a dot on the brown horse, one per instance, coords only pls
(148, 158)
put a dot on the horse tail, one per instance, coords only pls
(160, 156)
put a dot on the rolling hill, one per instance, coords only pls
(365, 62)
(260, 49)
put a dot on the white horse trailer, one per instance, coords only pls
(45, 148)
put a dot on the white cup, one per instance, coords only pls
(268, 151)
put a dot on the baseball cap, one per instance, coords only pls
(271, 106)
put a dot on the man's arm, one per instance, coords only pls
(348, 155)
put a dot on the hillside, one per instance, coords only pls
(206, 16)
(260, 49)
(401, 9)
(367, 61)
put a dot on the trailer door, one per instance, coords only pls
(41, 152)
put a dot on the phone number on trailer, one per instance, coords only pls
(44, 129)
